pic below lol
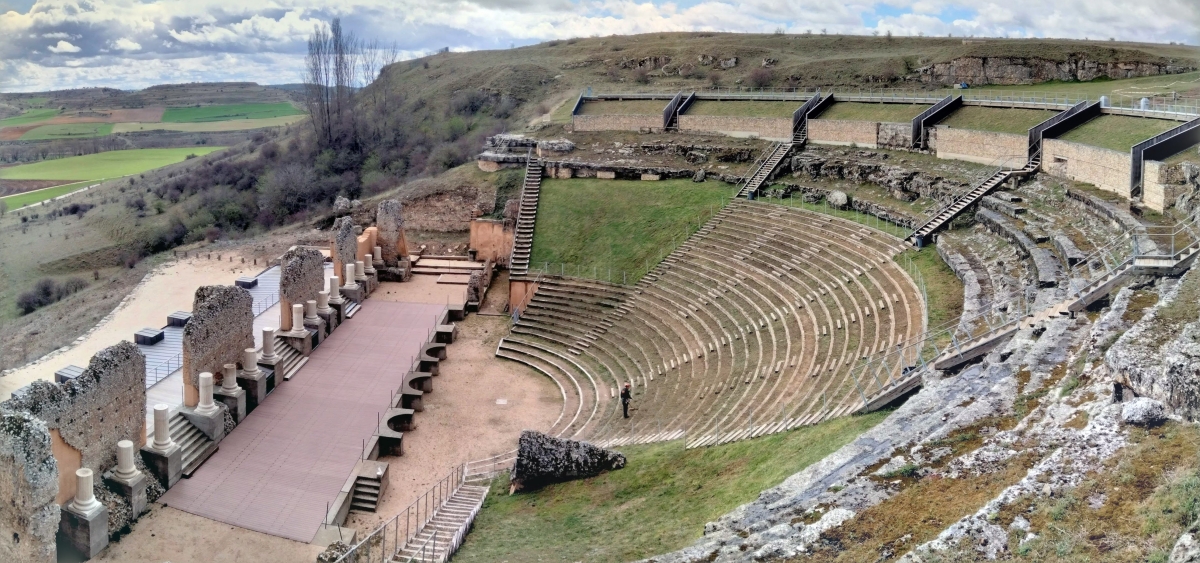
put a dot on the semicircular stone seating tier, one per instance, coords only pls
(754, 325)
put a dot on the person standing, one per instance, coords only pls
(625, 397)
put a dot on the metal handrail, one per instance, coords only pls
(1003, 160)
(420, 511)
(163, 369)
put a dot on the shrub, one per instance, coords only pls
(714, 78)
(47, 292)
(641, 76)
(761, 77)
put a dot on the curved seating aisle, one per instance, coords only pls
(754, 325)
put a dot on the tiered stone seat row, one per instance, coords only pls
(752, 326)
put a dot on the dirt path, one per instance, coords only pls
(167, 534)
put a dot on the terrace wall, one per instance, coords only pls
(1162, 185)
(771, 128)
(983, 147)
(895, 135)
(616, 123)
(844, 132)
(1106, 169)
(491, 240)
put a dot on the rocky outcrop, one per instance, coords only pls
(544, 459)
(1032, 70)
(811, 194)
(1143, 411)
(1046, 265)
(903, 183)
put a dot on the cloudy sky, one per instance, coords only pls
(53, 44)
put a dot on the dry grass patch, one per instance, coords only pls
(751, 108)
(999, 120)
(623, 107)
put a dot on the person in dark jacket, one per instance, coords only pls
(625, 397)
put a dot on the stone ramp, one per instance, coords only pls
(278, 470)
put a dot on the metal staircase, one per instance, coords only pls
(518, 262)
(962, 202)
(438, 539)
(765, 167)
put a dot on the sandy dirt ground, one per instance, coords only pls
(421, 289)
(169, 288)
(169, 535)
(479, 407)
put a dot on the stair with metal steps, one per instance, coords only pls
(195, 445)
(440, 537)
(948, 213)
(523, 241)
(764, 170)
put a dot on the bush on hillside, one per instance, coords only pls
(47, 292)
(761, 77)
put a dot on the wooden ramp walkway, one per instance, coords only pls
(276, 472)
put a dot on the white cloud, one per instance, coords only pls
(125, 44)
(64, 47)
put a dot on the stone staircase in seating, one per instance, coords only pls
(523, 241)
(442, 536)
(196, 447)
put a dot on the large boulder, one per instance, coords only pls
(1143, 411)
(838, 199)
(544, 459)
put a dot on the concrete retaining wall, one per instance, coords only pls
(983, 147)
(843, 132)
(616, 123)
(1106, 169)
(773, 128)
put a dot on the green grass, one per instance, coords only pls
(1000, 120)
(597, 226)
(943, 289)
(659, 502)
(31, 116)
(1117, 132)
(102, 165)
(228, 112)
(858, 111)
(17, 201)
(68, 131)
(743, 108)
(1186, 155)
(625, 107)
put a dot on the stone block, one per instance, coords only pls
(235, 401)
(606, 175)
(456, 312)
(86, 532)
(133, 489)
(166, 466)
(330, 319)
(357, 294)
(255, 386)
(339, 312)
(212, 424)
(445, 334)
(651, 177)
(316, 330)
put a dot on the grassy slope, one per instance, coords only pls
(208, 126)
(896, 113)
(740, 108)
(17, 201)
(1000, 120)
(102, 165)
(658, 502)
(228, 112)
(618, 225)
(68, 131)
(31, 116)
(1117, 132)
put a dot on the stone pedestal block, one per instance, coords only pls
(355, 294)
(446, 334)
(255, 386)
(133, 489)
(455, 313)
(85, 531)
(339, 311)
(330, 319)
(166, 465)
(235, 401)
(212, 424)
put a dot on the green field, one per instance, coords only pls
(228, 112)
(1000, 120)
(209, 126)
(31, 116)
(743, 108)
(1117, 132)
(17, 201)
(623, 107)
(102, 165)
(68, 131)
(659, 502)
(597, 226)
(858, 111)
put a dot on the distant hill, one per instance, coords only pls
(165, 95)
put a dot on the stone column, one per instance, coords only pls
(298, 320)
(85, 497)
(206, 406)
(350, 278)
(250, 362)
(268, 345)
(162, 428)
(360, 272)
(377, 255)
(335, 291)
(368, 265)
(310, 312)
(323, 303)
(229, 378)
(125, 467)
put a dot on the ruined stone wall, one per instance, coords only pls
(343, 245)
(301, 278)
(895, 135)
(983, 147)
(843, 132)
(221, 328)
(1106, 169)
(88, 415)
(645, 123)
(1162, 185)
(28, 484)
(492, 240)
(389, 218)
(773, 128)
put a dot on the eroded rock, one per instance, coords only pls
(1143, 411)
(544, 459)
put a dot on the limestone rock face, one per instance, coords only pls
(1187, 548)
(544, 459)
(555, 146)
(699, 175)
(334, 552)
(1029, 70)
(838, 199)
(341, 205)
(1143, 411)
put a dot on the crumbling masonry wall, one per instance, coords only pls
(88, 415)
(343, 246)
(28, 484)
(221, 329)
(301, 278)
(389, 219)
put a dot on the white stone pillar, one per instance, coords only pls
(335, 291)
(268, 345)
(125, 468)
(229, 378)
(350, 277)
(162, 428)
(310, 312)
(85, 497)
(360, 272)
(206, 406)
(323, 303)
(250, 362)
(377, 254)
(368, 265)
(298, 319)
